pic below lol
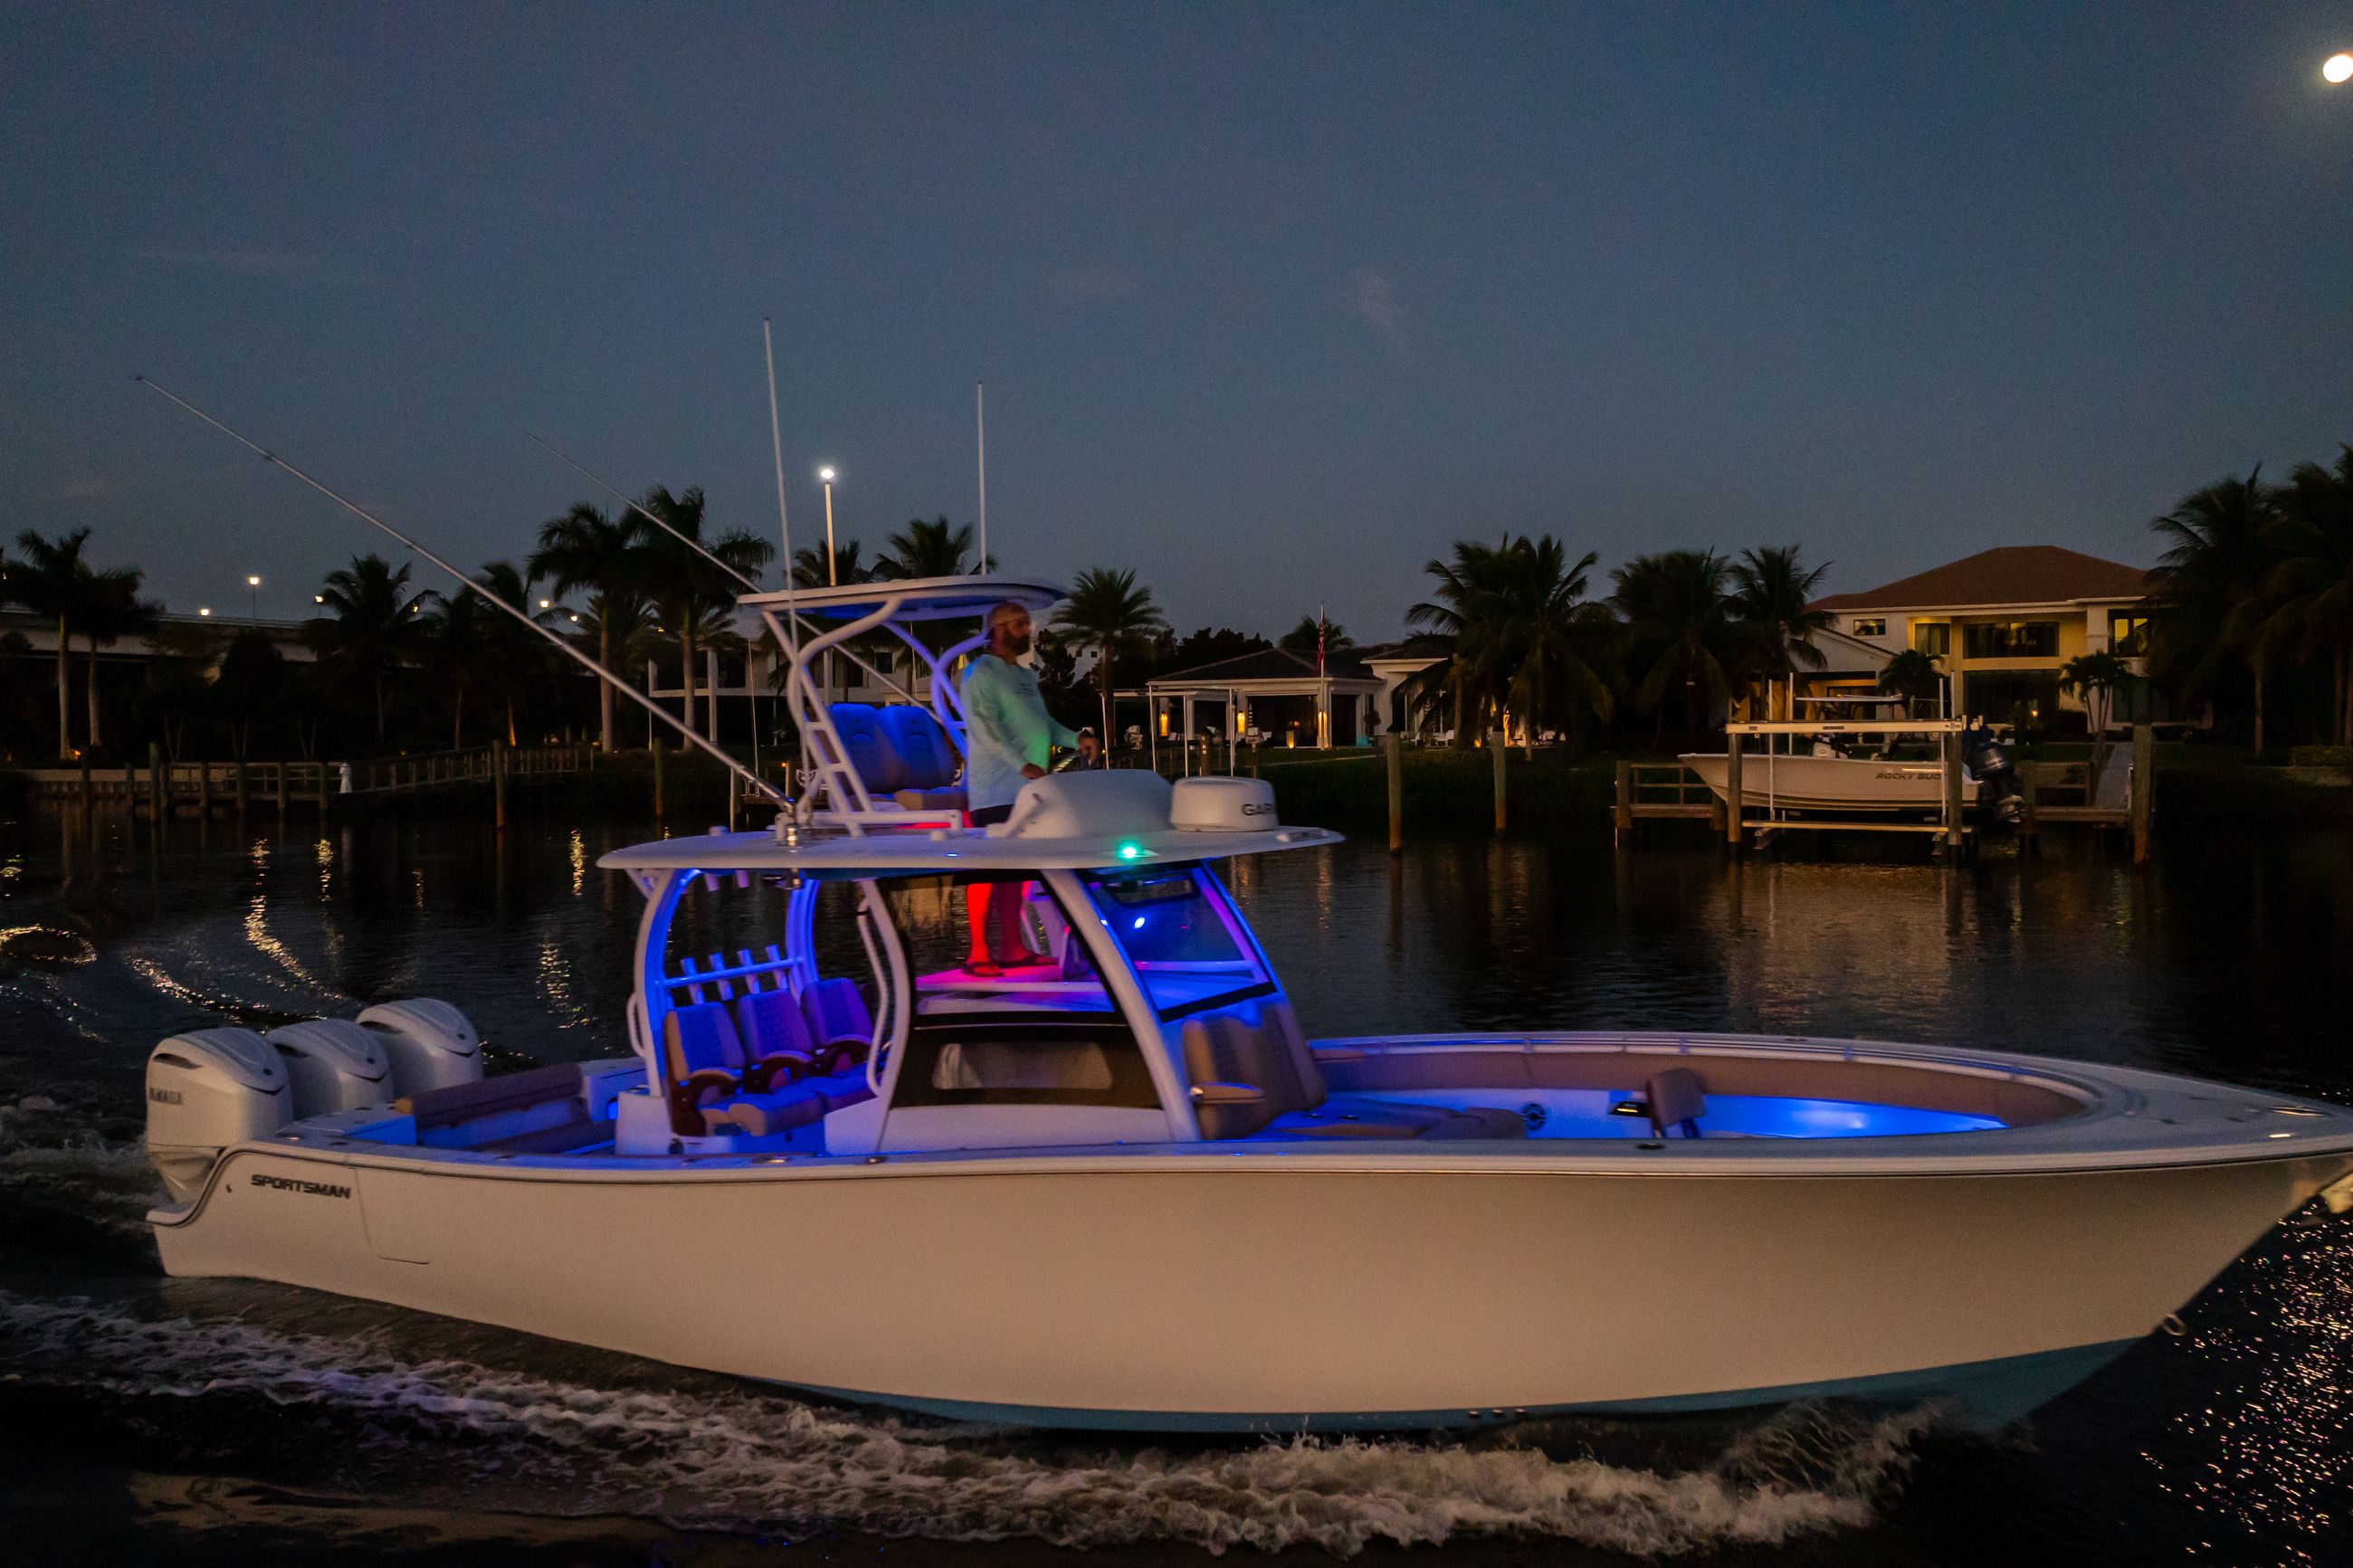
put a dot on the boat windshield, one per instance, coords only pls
(1178, 929)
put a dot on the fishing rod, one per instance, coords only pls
(782, 802)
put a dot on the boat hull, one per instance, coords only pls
(1216, 1291)
(1825, 784)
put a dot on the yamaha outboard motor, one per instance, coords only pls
(1987, 760)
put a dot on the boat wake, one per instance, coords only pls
(54, 1166)
(697, 1452)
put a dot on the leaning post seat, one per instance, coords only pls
(927, 757)
(867, 748)
(843, 1030)
(1261, 1079)
(711, 1084)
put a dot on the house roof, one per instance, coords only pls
(1268, 664)
(2007, 575)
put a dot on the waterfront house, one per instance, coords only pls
(2002, 624)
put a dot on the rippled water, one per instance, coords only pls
(221, 1421)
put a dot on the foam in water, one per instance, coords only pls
(715, 1457)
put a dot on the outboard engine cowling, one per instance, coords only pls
(1988, 762)
(430, 1044)
(207, 1089)
(332, 1064)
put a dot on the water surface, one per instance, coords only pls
(208, 1421)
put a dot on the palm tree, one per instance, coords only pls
(1448, 623)
(922, 548)
(111, 611)
(690, 593)
(1314, 632)
(370, 628)
(1911, 675)
(1108, 616)
(811, 569)
(249, 687)
(1558, 648)
(1676, 605)
(2313, 582)
(2096, 678)
(1773, 595)
(2208, 610)
(456, 650)
(586, 550)
(518, 661)
(53, 580)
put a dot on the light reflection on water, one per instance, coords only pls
(2227, 959)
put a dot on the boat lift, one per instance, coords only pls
(1949, 825)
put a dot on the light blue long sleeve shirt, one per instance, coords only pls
(1007, 727)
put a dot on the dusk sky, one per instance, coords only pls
(1273, 303)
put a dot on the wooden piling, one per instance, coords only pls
(321, 766)
(2144, 792)
(1395, 761)
(159, 799)
(498, 781)
(1952, 761)
(2030, 829)
(204, 791)
(244, 788)
(1495, 744)
(1736, 811)
(658, 781)
(1621, 816)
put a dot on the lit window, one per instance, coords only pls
(1934, 639)
(2127, 633)
(2010, 639)
(1871, 627)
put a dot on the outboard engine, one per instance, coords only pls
(207, 1089)
(332, 1064)
(1988, 762)
(430, 1044)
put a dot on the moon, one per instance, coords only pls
(2338, 68)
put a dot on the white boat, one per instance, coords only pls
(1805, 782)
(1121, 1188)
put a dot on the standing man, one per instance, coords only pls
(1009, 738)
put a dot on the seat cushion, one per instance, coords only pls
(1345, 1116)
(925, 754)
(770, 1023)
(1480, 1121)
(779, 1110)
(699, 1037)
(865, 747)
(836, 1012)
(841, 1090)
(931, 800)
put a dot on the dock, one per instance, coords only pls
(162, 788)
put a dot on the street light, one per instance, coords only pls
(832, 576)
(2338, 68)
(253, 588)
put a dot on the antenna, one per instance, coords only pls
(980, 424)
(776, 446)
(648, 704)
